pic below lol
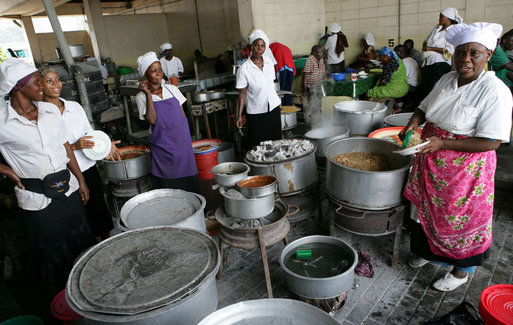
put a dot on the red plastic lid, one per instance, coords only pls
(60, 308)
(496, 304)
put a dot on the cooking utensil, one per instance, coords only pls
(243, 208)
(406, 140)
(257, 186)
(326, 135)
(229, 173)
(129, 167)
(361, 117)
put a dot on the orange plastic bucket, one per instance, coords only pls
(205, 162)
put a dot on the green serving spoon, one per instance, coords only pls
(407, 139)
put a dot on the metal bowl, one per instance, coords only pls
(257, 186)
(229, 173)
(247, 209)
(207, 96)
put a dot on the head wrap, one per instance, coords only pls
(369, 39)
(12, 71)
(46, 69)
(166, 46)
(144, 62)
(482, 33)
(385, 50)
(452, 13)
(335, 28)
(256, 34)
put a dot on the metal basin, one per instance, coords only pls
(207, 96)
(257, 186)
(361, 117)
(165, 207)
(288, 120)
(400, 119)
(326, 135)
(320, 287)
(129, 168)
(271, 312)
(229, 173)
(243, 208)
(371, 190)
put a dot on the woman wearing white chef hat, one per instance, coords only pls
(33, 142)
(467, 115)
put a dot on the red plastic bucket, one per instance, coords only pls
(496, 304)
(61, 310)
(205, 162)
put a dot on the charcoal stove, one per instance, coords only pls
(254, 234)
(332, 305)
(123, 190)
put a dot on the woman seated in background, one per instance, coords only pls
(368, 53)
(172, 159)
(500, 63)
(393, 82)
(78, 126)
(451, 182)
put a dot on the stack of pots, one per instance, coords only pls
(361, 117)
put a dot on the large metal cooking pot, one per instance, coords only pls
(76, 50)
(207, 96)
(371, 190)
(400, 119)
(165, 207)
(243, 208)
(229, 173)
(129, 168)
(269, 311)
(325, 287)
(361, 117)
(293, 175)
(288, 120)
(326, 135)
(157, 275)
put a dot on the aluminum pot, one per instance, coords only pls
(288, 120)
(269, 311)
(189, 301)
(76, 51)
(257, 186)
(371, 190)
(165, 207)
(320, 288)
(207, 96)
(129, 168)
(400, 119)
(243, 208)
(293, 175)
(361, 117)
(229, 173)
(326, 135)
(225, 152)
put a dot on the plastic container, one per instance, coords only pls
(24, 320)
(205, 162)
(495, 305)
(124, 70)
(300, 63)
(340, 76)
(61, 310)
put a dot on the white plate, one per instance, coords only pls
(101, 147)
(412, 150)
(375, 62)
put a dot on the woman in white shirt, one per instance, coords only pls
(255, 81)
(437, 51)
(335, 49)
(467, 114)
(33, 142)
(78, 126)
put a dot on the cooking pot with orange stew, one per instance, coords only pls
(135, 162)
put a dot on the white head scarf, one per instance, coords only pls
(335, 28)
(369, 39)
(144, 62)
(256, 34)
(452, 13)
(11, 71)
(482, 33)
(166, 46)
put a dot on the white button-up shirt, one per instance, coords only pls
(261, 96)
(437, 39)
(172, 67)
(77, 126)
(412, 71)
(34, 150)
(331, 44)
(481, 108)
(168, 91)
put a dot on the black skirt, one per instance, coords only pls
(263, 127)
(430, 74)
(188, 183)
(96, 208)
(56, 236)
(419, 246)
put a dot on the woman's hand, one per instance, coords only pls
(9, 172)
(424, 46)
(83, 143)
(114, 153)
(239, 122)
(409, 127)
(434, 144)
(83, 190)
(145, 87)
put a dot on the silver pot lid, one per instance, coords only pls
(326, 132)
(360, 107)
(141, 270)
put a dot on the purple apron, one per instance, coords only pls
(170, 141)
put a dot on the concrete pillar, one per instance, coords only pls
(245, 18)
(97, 29)
(32, 39)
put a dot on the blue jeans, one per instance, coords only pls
(286, 77)
(469, 269)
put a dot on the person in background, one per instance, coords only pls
(451, 182)
(172, 159)
(285, 69)
(220, 66)
(255, 82)
(198, 56)
(335, 49)
(34, 143)
(314, 71)
(171, 65)
(412, 52)
(392, 82)
(413, 76)
(500, 62)
(368, 53)
(78, 126)
(437, 51)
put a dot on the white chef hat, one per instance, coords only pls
(11, 71)
(335, 28)
(369, 39)
(256, 34)
(166, 46)
(144, 62)
(482, 33)
(452, 13)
